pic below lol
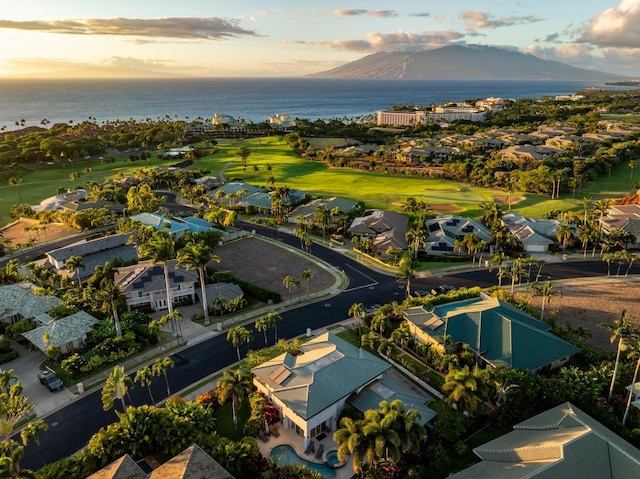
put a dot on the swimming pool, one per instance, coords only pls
(332, 460)
(286, 455)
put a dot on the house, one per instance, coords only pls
(17, 302)
(226, 291)
(498, 333)
(175, 226)
(311, 388)
(623, 217)
(561, 442)
(192, 463)
(209, 182)
(306, 212)
(93, 252)
(281, 120)
(444, 230)
(68, 333)
(536, 235)
(385, 228)
(144, 284)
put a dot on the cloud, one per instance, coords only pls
(474, 19)
(420, 14)
(130, 63)
(383, 13)
(350, 12)
(211, 28)
(397, 41)
(615, 27)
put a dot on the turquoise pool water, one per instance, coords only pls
(286, 455)
(332, 458)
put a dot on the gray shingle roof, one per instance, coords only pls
(19, 299)
(85, 248)
(62, 331)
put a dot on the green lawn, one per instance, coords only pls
(376, 190)
(224, 420)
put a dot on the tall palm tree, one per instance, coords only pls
(273, 319)
(238, 335)
(161, 249)
(75, 264)
(261, 326)
(145, 376)
(116, 387)
(197, 256)
(160, 367)
(111, 294)
(564, 235)
(546, 292)
(634, 352)
(236, 385)
(467, 388)
(307, 274)
(351, 442)
(417, 236)
(383, 441)
(356, 311)
(405, 275)
(621, 331)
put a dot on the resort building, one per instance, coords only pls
(498, 333)
(280, 120)
(561, 442)
(439, 113)
(312, 387)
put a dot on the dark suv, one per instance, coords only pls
(49, 379)
(443, 289)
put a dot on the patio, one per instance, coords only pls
(290, 437)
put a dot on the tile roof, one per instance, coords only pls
(192, 463)
(145, 277)
(326, 370)
(560, 442)
(123, 468)
(228, 291)
(62, 331)
(500, 333)
(19, 299)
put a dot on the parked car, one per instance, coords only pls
(419, 293)
(49, 379)
(443, 289)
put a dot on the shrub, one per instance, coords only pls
(8, 356)
(73, 364)
(15, 330)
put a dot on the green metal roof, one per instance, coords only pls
(500, 333)
(327, 370)
(560, 442)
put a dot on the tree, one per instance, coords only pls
(13, 181)
(564, 235)
(236, 385)
(75, 264)
(546, 292)
(632, 165)
(289, 282)
(417, 236)
(402, 336)
(497, 261)
(406, 274)
(261, 326)
(356, 311)
(307, 274)
(467, 388)
(351, 442)
(116, 387)
(145, 376)
(197, 256)
(243, 152)
(621, 331)
(238, 335)
(635, 353)
(160, 248)
(111, 294)
(160, 367)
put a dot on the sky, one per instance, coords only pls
(289, 38)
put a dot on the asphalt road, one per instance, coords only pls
(71, 427)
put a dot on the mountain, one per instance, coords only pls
(456, 62)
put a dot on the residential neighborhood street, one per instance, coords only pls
(74, 418)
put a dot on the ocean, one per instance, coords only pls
(251, 99)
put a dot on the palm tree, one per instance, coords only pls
(564, 235)
(75, 264)
(238, 335)
(383, 441)
(351, 442)
(401, 336)
(116, 387)
(197, 256)
(406, 275)
(160, 367)
(13, 181)
(634, 352)
(356, 311)
(289, 283)
(547, 293)
(145, 376)
(307, 274)
(621, 330)
(417, 236)
(160, 248)
(272, 320)
(466, 388)
(111, 294)
(497, 262)
(261, 326)
(236, 385)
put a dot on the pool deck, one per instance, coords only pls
(290, 437)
